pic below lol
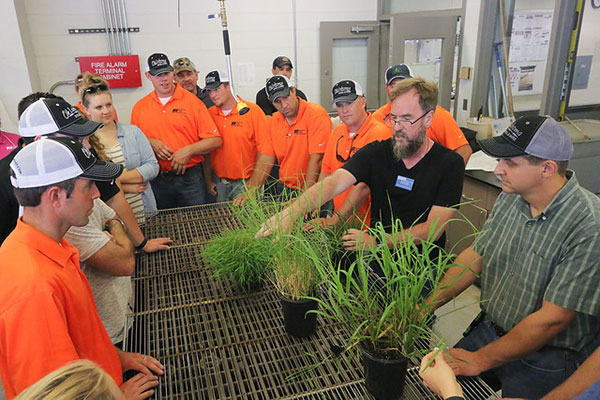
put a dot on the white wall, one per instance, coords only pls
(259, 32)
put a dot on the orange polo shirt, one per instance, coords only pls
(48, 317)
(340, 143)
(443, 129)
(184, 120)
(80, 106)
(243, 137)
(293, 143)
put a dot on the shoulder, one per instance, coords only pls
(446, 155)
(147, 99)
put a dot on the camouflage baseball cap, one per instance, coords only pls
(183, 64)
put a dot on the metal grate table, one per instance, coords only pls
(219, 343)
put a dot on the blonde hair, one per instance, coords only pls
(80, 380)
(88, 79)
(427, 90)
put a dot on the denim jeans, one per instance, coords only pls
(184, 190)
(227, 191)
(531, 377)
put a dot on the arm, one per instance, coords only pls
(148, 168)
(526, 337)
(131, 176)
(465, 152)
(162, 151)
(313, 170)
(584, 377)
(429, 230)
(314, 197)
(211, 186)
(116, 256)
(262, 167)
(125, 213)
(181, 157)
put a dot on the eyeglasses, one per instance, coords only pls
(391, 120)
(103, 87)
(352, 149)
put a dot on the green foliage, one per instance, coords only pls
(388, 315)
(238, 256)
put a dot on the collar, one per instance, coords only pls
(120, 131)
(177, 94)
(234, 111)
(59, 253)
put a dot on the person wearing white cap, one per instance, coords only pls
(443, 128)
(538, 258)
(48, 317)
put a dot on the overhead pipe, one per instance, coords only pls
(107, 27)
(125, 27)
(115, 26)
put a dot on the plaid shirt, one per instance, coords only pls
(554, 257)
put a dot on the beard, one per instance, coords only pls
(401, 150)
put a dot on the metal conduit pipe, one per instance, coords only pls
(115, 26)
(60, 83)
(121, 31)
(126, 40)
(107, 27)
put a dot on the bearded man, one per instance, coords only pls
(411, 177)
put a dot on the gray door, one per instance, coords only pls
(349, 50)
(427, 44)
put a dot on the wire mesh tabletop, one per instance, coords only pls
(218, 342)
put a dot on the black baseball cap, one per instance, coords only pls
(56, 159)
(278, 86)
(48, 116)
(536, 135)
(214, 79)
(281, 61)
(158, 63)
(346, 90)
(398, 71)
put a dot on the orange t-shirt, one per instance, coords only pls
(293, 144)
(184, 120)
(340, 143)
(48, 317)
(243, 137)
(443, 129)
(80, 106)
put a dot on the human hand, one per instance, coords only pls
(140, 362)
(133, 187)
(162, 151)
(464, 362)
(211, 187)
(179, 160)
(157, 244)
(280, 223)
(355, 239)
(438, 376)
(139, 387)
(326, 222)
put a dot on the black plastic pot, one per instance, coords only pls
(384, 378)
(296, 321)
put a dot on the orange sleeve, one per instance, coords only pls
(327, 165)
(320, 130)
(260, 127)
(205, 123)
(135, 115)
(267, 148)
(445, 130)
(36, 341)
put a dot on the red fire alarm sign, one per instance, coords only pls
(119, 71)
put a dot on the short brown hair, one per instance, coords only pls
(562, 165)
(31, 197)
(427, 90)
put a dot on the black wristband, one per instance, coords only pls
(140, 246)
(455, 398)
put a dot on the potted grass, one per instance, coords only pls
(296, 278)
(237, 256)
(385, 315)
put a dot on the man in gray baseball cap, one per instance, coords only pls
(538, 257)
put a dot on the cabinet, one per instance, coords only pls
(477, 201)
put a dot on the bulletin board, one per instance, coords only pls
(529, 44)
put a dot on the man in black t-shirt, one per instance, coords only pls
(410, 177)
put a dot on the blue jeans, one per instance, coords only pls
(229, 190)
(531, 377)
(184, 190)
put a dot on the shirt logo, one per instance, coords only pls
(237, 124)
(179, 111)
(299, 131)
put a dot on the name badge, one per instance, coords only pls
(405, 183)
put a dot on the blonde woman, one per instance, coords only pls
(85, 80)
(123, 144)
(85, 380)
